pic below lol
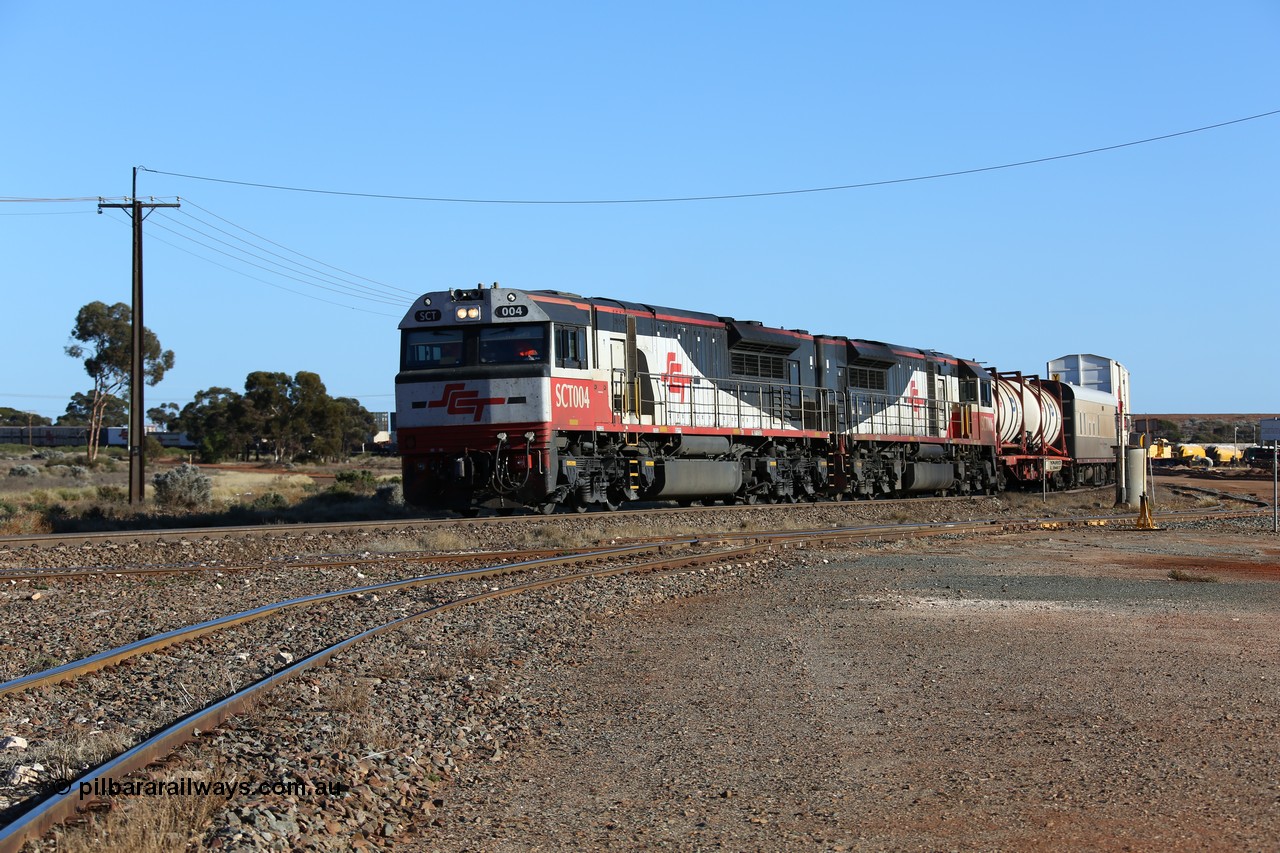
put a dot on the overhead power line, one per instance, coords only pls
(299, 254)
(268, 283)
(255, 253)
(19, 200)
(301, 276)
(763, 194)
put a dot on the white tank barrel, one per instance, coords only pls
(1023, 409)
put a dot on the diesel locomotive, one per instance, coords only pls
(510, 398)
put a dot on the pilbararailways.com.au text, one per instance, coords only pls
(97, 788)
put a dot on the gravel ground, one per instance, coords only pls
(1045, 690)
(1051, 692)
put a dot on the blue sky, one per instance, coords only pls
(1162, 255)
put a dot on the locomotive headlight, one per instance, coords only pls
(464, 313)
(473, 313)
(461, 313)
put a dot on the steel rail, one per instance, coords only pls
(109, 657)
(333, 561)
(455, 557)
(177, 534)
(66, 802)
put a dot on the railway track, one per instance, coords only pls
(390, 526)
(386, 526)
(62, 805)
(694, 552)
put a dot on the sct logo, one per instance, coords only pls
(677, 381)
(456, 400)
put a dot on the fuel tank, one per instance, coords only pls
(687, 478)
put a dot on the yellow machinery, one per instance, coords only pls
(1223, 454)
(1184, 453)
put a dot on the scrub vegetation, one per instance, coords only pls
(61, 490)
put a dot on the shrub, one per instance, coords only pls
(391, 494)
(112, 494)
(361, 482)
(184, 486)
(24, 470)
(79, 472)
(270, 501)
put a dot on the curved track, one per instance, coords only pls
(61, 806)
(382, 526)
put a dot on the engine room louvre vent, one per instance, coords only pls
(749, 336)
(871, 379)
(871, 354)
(756, 364)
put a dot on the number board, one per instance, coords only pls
(1270, 429)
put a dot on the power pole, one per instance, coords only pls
(137, 465)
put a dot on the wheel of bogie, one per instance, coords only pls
(708, 501)
(749, 499)
(613, 499)
(547, 508)
(684, 504)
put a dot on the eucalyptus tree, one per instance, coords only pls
(105, 334)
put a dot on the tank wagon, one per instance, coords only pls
(512, 398)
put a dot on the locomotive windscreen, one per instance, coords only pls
(431, 349)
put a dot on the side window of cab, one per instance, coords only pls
(571, 347)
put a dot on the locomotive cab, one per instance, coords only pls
(473, 398)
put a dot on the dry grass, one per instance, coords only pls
(146, 824)
(244, 486)
(69, 756)
(443, 540)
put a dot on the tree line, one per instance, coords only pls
(277, 416)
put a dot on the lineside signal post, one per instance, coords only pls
(1270, 431)
(134, 208)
